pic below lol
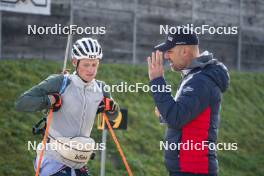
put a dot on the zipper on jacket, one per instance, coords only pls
(83, 113)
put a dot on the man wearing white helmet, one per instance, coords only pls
(75, 99)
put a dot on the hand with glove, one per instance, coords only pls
(55, 101)
(107, 105)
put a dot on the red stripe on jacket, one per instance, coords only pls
(196, 131)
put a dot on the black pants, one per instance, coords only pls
(67, 172)
(189, 174)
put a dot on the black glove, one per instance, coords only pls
(113, 106)
(102, 106)
(56, 106)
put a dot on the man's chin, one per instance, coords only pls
(88, 79)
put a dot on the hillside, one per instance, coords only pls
(242, 121)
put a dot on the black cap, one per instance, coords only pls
(183, 36)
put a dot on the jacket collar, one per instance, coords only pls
(203, 60)
(77, 81)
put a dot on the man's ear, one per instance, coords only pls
(74, 62)
(185, 51)
(181, 50)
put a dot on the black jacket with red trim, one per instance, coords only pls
(193, 116)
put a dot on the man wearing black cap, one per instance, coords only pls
(192, 116)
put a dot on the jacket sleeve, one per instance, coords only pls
(36, 98)
(193, 98)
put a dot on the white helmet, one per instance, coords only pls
(87, 48)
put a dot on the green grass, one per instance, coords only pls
(242, 121)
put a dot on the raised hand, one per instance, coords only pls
(155, 65)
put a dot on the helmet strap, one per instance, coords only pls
(78, 62)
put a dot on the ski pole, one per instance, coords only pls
(44, 142)
(118, 145)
